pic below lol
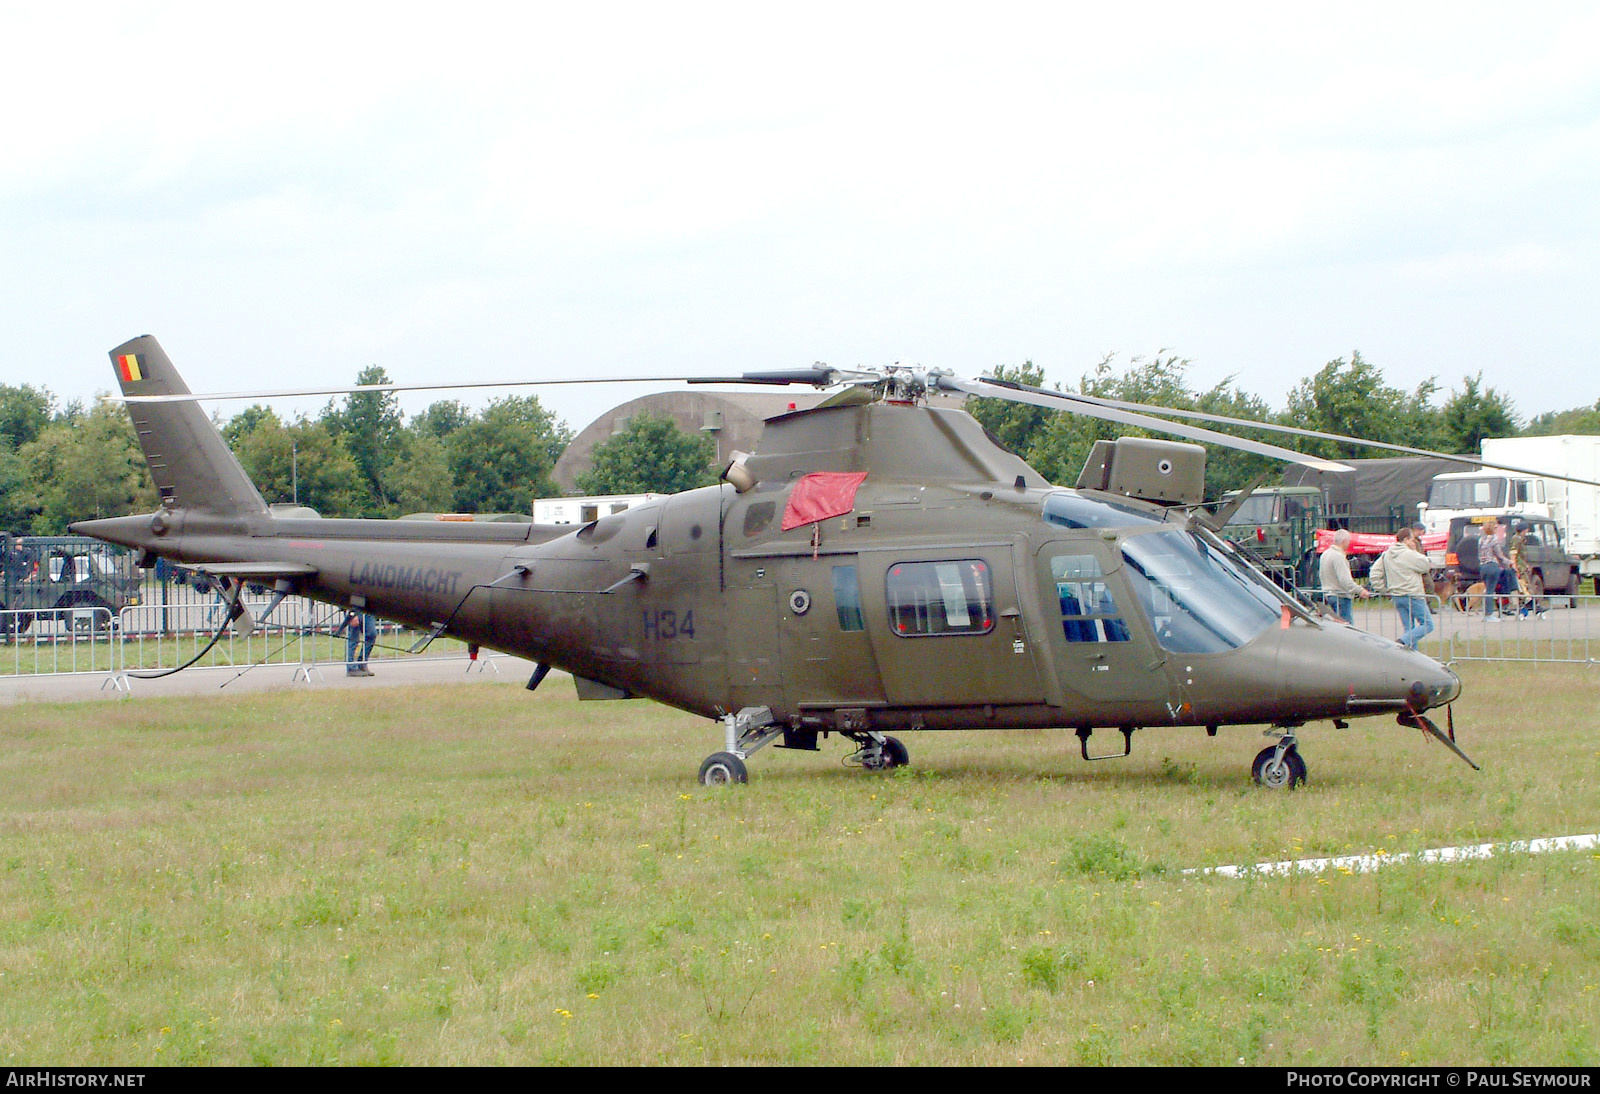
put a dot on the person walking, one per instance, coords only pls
(1407, 572)
(1517, 549)
(1493, 565)
(1339, 589)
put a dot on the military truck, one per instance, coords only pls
(1278, 524)
(1277, 527)
(1551, 568)
(62, 579)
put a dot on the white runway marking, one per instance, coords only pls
(1358, 864)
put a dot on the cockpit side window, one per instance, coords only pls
(1088, 610)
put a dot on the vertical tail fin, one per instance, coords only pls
(189, 460)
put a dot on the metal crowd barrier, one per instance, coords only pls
(1555, 628)
(58, 641)
(298, 632)
(150, 636)
(153, 636)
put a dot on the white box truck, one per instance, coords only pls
(1574, 507)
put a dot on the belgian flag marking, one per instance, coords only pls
(130, 367)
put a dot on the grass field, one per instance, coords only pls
(476, 875)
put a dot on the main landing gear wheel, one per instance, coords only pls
(895, 754)
(1278, 774)
(722, 768)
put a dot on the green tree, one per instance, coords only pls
(1474, 413)
(1064, 447)
(1017, 426)
(301, 458)
(24, 412)
(502, 459)
(19, 504)
(1229, 468)
(1351, 398)
(442, 418)
(369, 424)
(1583, 419)
(245, 422)
(84, 467)
(651, 456)
(419, 479)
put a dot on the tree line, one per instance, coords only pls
(361, 457)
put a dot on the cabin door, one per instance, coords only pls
(947, 628)
(1097, 641)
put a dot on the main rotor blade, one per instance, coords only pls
(1273, 427)
(818, 376)
(1053, 400)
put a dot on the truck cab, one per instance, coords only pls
(1277, 526)
(1478, 494)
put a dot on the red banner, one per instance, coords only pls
(820, 495)
(1371, 543)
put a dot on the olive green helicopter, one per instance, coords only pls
(877, 566)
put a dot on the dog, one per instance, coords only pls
(1469, 599)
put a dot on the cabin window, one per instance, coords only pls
(758, 516)
(1088, 610)
(847, 598)
(936, 598)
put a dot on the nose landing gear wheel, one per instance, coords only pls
(1278, 774)
(723, 768)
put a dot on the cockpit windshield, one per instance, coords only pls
(1197, 599)
(1256, 509)
(1073, 510)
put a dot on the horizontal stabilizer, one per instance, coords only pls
(256, 570)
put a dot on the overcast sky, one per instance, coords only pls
(285, 194)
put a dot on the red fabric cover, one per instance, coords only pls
(820, 495)
(1370, 543)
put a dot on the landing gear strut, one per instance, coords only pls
(1279, 766)
(753, 728)
(744, 733)
(875, 752)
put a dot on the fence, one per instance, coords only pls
(157, 636)
(58, 641)
(1554, 629)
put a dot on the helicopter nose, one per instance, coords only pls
(1435, 686)
(1370, 672)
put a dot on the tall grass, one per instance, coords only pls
(476, 875)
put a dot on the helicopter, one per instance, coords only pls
(877, 566)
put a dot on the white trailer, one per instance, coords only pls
(1574, 507)
(584, 510)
